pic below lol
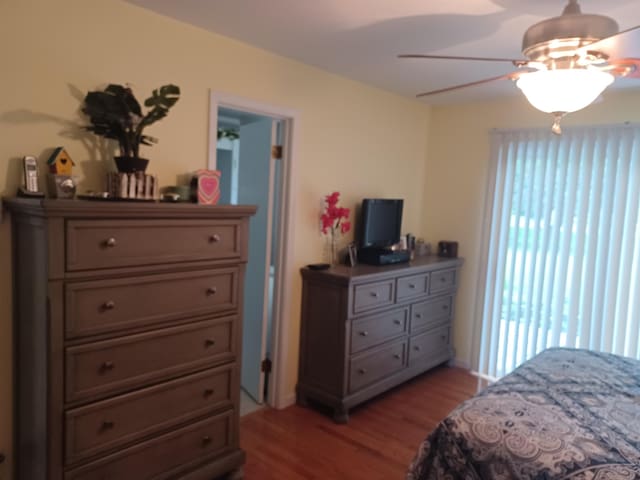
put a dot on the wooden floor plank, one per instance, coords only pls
(378, 443)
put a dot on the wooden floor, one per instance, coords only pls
(379, 441)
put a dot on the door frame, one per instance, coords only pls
(277, 396)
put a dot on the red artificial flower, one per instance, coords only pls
(332, 199)
(334, 218)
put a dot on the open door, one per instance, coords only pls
(256, 180)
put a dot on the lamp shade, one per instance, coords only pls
(563, 90)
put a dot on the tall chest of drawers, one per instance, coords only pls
(127, 339)
(367, 329)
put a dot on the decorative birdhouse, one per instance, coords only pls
(60, 162)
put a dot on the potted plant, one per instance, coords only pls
(115, 113)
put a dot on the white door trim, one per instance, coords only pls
(278, 397)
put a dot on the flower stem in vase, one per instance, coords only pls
(334, 250)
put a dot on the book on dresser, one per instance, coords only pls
(128, 328)
(366, 329)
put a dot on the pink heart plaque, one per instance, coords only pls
(208, 186)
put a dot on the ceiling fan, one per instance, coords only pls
(569, 61)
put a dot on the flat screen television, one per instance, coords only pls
(380, 222)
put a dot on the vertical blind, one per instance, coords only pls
(562, 245)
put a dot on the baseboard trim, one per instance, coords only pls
(459, 363)
(286, 401)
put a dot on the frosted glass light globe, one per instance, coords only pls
(563, 90)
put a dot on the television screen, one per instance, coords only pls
(381, 222)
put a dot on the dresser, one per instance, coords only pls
(128, 334)
(369, 328)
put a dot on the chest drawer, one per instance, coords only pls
(377, 329)
(164, 457)
(373, 295)
(442, 281)
(427, 314)
(413, 286)
(110, 305)
(126, 418)
(371, 367)
(97, 244)
(428, 344)
(136, 360)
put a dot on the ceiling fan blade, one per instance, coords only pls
(625, 44)
(626, 67)
(517, 62)
(508, 76)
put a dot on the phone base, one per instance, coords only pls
(23, 192)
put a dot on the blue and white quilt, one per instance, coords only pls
(565, 414)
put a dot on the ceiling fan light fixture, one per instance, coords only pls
(563, 90)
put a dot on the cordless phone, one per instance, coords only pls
(30, 188)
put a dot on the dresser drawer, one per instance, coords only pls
(110, 423)
(413, 286)
(110, 305)
(372, 295)
(377, 329)
(96, 244)
(371, 367)
(428, 314)
(110, 366)
(442, 281)
(165, 456)
(428, 344)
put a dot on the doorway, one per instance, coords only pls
(252, 149)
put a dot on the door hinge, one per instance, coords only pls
(266, 365)
(276, 151)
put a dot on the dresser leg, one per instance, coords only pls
(340, 415)
(237, 474)
(301, 399)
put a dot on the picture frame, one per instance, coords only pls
(352, 257)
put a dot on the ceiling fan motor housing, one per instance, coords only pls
(559, 37)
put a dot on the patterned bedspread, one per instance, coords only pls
(565, 414)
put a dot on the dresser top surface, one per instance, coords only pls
(123, 209)
(344, 273)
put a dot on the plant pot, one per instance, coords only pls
(131, 164)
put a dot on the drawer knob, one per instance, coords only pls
(209, 342)
(362, 371)
(418, 315)
(445, 307)
(208, 392)
(396, 356)
(374, 294)
(211, 290)
(442, 279)
(443, 337)
(110, 242)
(417, 348)
(107, 425)
(397, 322)
(215, 238)
(107, 366)
(206, 440)
(411, 285)
(364, 333)
(109, 305)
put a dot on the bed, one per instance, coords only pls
(564, 414)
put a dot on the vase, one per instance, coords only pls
(131, 164)
(332, 250)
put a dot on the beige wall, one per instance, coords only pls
(353, 138)
(456, 178)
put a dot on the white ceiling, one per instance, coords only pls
(360, 39)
